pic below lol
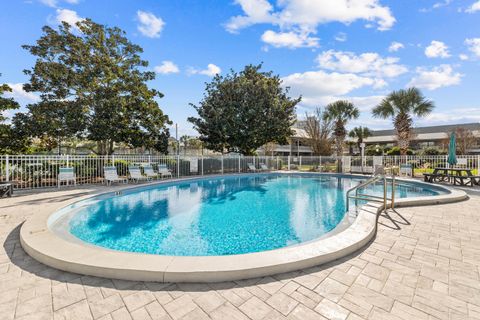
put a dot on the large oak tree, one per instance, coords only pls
(9, 141)
(243, 111)
(93, 85)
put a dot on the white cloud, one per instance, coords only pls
(69, 16)
(444, 3)
(370, 64)
(150, 25)
(474, 7)
(308, 14)
(460, 115)
(437, 49)
(463, 57)
(436, 77)
(256, 11)
(167, 67)
(341, 37)
(302, 17)
(211, 70)
(20, 95)
(437, 5)
(473, 45)
(365, 103)
(289, 39)
(315, 85)
(54, 3)
(395, 46)
(50, 3)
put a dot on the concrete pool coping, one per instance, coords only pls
(49, 248)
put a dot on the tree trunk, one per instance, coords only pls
(339, 146)
(403, 126)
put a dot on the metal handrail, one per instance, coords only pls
(373, 198)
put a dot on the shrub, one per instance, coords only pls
(372, 151)
(432, 151)
(395, 151)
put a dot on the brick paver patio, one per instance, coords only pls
(423, 264)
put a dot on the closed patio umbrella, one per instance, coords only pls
(452, 148)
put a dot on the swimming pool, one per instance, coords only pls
(218, 216)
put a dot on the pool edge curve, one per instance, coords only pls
(50, 249)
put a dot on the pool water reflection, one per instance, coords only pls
(220, 215)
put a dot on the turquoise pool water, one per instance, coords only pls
(219, 215)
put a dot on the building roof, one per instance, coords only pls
(424, 133)
(433, 129)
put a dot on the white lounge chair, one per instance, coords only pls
(66, 174)
(406, 169)
(163, 171)
(148, 170)
(251, 167)
(264, 167)
(110, 175)
(136, 174)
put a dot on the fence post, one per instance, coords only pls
(239, 165)
(7, 168)
(178, 166)
(288, 163)
(320, 163)
(222, 163)
(202, 165)
(68, 160)
(300, 164)
(277, 164)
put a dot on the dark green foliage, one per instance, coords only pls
(9, 142)
(92, 86)
(242, 111)
(396, 151)
(433, 151)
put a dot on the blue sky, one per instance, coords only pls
(324, 49)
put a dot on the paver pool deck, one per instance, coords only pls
(424, 263)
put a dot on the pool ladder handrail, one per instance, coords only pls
(372, 198)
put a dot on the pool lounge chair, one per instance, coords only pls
(66, 174)
(6, 189)
(251, 167)
(136, 174)
(148, 170)
(406, 169)
(264, 167)
(110, 175)
(163, 171)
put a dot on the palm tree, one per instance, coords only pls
(401, 106)
(340, 112)
(360, 133)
